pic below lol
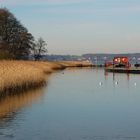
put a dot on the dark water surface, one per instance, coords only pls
(79, 104)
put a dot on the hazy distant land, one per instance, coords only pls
(99, 58)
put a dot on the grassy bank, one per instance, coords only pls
(22, 75)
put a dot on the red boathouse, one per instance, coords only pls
(119, 62)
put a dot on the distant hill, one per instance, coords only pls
(102, 58)
(63, 57)
(95, 58)
(137, 55)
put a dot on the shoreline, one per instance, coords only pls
(20, 76)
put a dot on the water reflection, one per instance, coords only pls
(106, 74)
(75, 107)
(11, 104)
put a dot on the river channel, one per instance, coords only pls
(76, 104)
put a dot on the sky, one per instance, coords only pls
(81, 26)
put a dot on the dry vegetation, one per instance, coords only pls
(21, 75)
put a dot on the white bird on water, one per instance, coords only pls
(116, 83)
(100, 83)
(135, 84)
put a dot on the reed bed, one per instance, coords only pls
(76, 64)
(16, 75)
(21, 75)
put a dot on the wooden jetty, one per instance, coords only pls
(123, 70)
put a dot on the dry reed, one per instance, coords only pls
(20, 75)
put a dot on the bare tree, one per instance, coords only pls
(14, 37)
(39, 48)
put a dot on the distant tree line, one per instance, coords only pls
(15, 40)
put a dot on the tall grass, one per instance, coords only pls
(20, 75)
(16, 75)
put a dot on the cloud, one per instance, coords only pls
(102, 6)
(39, 2)
(133, 8)
(117, 10)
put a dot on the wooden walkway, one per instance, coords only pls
(123, 70)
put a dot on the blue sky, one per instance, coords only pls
(81, 26)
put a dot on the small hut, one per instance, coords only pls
(120, 62)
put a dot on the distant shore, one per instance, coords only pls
(18, 76)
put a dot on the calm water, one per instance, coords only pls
(79, 104)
